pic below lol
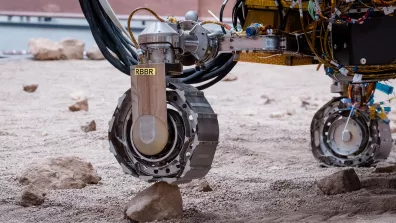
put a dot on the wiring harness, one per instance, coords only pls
(118, 49)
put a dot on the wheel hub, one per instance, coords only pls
(345, 139)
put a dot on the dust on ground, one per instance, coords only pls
(263, 169)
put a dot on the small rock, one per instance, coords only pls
(340, 182)
(89, 127)
(30, 88)
(385, 168)
(59, 173)
(80, 105)
(94, 53)
(291, 111)
(277, 115)
(230, 78)
(266, 99)
(31, 196)
(45, 49)
(161, 201)
(204, 186)
(304, 103)
(73, 49)
(393, 130)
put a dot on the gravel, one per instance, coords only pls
(263, 169)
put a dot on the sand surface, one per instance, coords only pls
(263, 170)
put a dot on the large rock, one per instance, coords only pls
(45, 49)
(340, 182)
(60, 173)
(94, 53)
(31, 196)
(161, 201)
(73, 49)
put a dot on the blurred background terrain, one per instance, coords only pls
(22, 20)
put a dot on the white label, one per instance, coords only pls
(388, 10)
(330, 26)
(337, 12)
(357, 78)
(344, 71)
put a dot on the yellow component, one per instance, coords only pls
(270, 17)
(262, 17)
(276, 59)
(270, 4)
(145, 71)
(130, 20)
(373, 112)
(172, 19)
(382, 116)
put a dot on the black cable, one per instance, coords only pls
(104, 43)
(225, 67)
(87, 10)
(239, 14)
(221, 14)
(285, 19)
(280, 11)
(219, 77)
(109, 37)
(234, 15)
(211, 65)
(119, 47)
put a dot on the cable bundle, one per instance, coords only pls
(121, 52)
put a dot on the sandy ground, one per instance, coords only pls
(263, 169)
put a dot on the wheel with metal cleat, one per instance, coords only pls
(193, 138)
(357, 142)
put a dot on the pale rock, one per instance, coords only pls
(340, 182)
(30, 88)
(31, 196)
(385, 168)
(80, 105)
(59, 173)
(89, 127)
(204, 186)
(161, 201)
(277, 115)
(94, 53)
(230, 78)
(73, 49)
(45, 49)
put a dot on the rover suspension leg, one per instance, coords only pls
(193, 134)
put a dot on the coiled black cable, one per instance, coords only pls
(88, 13)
